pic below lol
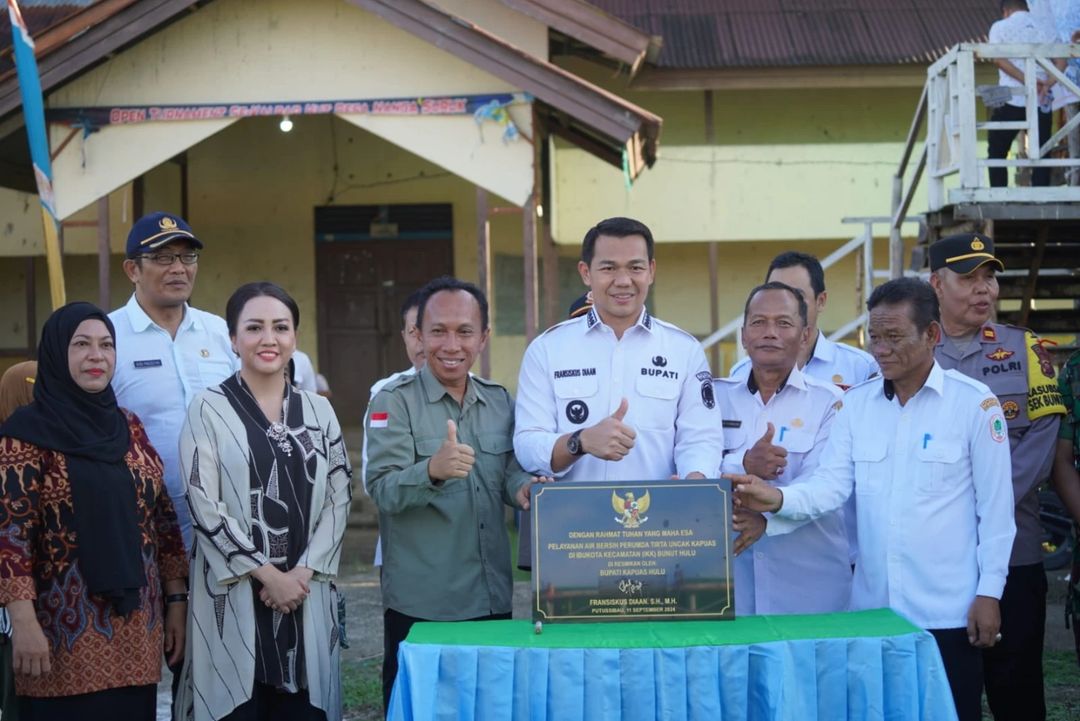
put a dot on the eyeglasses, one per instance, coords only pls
(167, 259)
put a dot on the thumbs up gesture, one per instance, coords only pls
(453, 460)
(610, 439)
(764, 459)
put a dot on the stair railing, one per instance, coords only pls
(866, 275)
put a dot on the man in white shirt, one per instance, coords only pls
(617, 394)
(820, 357)
(414, 349)
(778, 404)
(927, 453)
(1018, 26)
(166, 351)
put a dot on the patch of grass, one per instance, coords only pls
(1062, 680)
(361, 683)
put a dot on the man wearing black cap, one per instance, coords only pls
(166, 351)
(1013, 362)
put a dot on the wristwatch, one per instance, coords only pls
(573, 443)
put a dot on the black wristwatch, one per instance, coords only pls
(573, 443)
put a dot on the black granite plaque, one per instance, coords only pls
(626, 551)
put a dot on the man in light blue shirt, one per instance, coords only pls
(166, 351)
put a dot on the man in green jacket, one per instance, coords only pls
(440, 468)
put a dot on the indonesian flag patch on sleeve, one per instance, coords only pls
(379, 420)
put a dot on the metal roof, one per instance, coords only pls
(39, 15)
(706, 34)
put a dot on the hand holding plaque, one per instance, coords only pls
(453, 460)
(610, 439)
(524, 494)
(764, 459)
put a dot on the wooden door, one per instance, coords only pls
(362, 280)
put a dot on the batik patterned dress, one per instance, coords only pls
(92, 648)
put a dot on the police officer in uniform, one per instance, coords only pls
(1016, 367)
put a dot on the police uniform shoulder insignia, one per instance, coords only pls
(989, 334)
(989, 403)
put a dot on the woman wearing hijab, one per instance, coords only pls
(92, 563)
(269, 490)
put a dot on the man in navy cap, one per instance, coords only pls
(166, 351)
(1013, 362)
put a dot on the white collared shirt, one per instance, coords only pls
(158, 376)
(1020, 27)
(303, 372)
(832, 362)
(576, 373)
(845, 366)
(935, 501)
(773, 576)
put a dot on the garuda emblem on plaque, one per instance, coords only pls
(631, 511)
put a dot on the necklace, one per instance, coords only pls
(278, 432)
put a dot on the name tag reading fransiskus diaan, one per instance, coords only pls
(648, 550)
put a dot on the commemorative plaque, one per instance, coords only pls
(626, 551)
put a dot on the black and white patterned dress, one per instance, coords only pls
(261, 495)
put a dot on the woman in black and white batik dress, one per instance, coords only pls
(269, 501)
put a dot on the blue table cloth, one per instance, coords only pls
(865, 665)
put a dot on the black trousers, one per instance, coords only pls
(9, 703)
(964, 668)
(130, 703)
(1013, 667)
(269, 704)
(999, 142)
(395, 628)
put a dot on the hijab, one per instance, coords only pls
(16, 387)
(91, 431)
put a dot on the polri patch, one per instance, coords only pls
(152, 363)
(1011, 409)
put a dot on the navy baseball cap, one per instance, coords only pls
(963, 253)
(155, 230)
